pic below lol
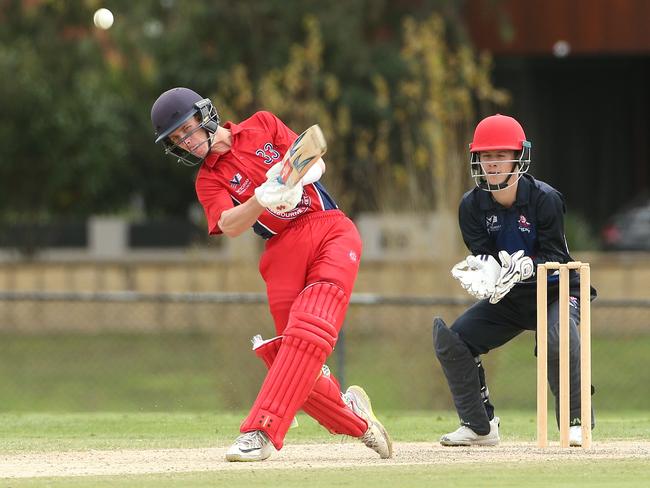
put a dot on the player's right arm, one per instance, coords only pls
(236, 220)
(472, 227)
(221, 212)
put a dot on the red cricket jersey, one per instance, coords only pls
(229, 179)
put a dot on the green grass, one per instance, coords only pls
(187, 372)
(594, 474)
(21, 432)
(55, 432)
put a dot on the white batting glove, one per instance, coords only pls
(515, 267)
(477, 275)
(275, 196)
(274, 171)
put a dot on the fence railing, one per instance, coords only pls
(130, 350)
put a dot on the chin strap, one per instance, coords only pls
(504, 185)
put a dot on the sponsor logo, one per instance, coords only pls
(236, 181)
(243, 187)
(353, 256)
(492, 223)
(524, 225)
(300, 209)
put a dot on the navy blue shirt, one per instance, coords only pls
(534, 223)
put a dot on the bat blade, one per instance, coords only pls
(305, 151)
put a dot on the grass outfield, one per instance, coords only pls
(155, 386)
(25, 434)
(177, 372)
(593, 474)
(36, 432)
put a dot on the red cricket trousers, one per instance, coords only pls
(318, 247)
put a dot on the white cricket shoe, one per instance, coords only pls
(376, 437)
(464, 436)
(250, 446)
(575, 436)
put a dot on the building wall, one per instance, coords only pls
(616, 275)
(531, 27)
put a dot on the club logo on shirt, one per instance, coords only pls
(236, 181)
(524, 225)
(492, 223)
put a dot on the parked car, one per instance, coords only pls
(628, 230)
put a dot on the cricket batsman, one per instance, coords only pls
(509, 222)
(309, 265)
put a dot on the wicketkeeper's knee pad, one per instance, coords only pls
(462, 375)
(308, 340)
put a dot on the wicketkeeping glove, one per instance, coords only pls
(275, 196)
(477, 275)
(515, 267)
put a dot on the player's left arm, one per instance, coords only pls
(551, 241)
(314, 173)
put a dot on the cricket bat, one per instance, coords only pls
(306, 150)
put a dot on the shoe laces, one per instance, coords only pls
(252, 440)
(369, 438)
(347, 400)
(356, 406)
(462, 429)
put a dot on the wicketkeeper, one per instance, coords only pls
(509, 222)
(309, 265)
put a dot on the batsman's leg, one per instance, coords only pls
(308, 340)
(350, 414)
(375, 437)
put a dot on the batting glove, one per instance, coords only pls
(275, 196)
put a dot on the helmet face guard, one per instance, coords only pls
(172, 109)
(521, 166)
(499, 133)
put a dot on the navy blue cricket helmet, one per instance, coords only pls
(172, 109)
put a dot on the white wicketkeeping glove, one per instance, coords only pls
(515, 267)
(275, 196)
(477, 275)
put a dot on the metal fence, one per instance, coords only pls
(191, 351)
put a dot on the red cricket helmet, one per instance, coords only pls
(499, 132)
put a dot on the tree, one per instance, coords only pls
(393, 84)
